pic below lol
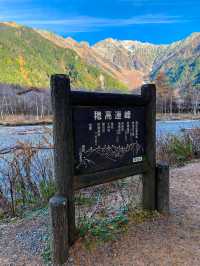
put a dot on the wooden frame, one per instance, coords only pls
(62, 205)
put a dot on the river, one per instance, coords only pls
(10, 135)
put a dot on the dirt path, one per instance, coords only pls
(173, 240)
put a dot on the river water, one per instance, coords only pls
(34, 134)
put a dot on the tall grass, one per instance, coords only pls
(26, 176)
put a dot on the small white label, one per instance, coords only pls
(137, 159)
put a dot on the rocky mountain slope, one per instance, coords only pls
(180, 61)
(134, 62)
(131, 77)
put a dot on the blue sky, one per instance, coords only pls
(156, 21)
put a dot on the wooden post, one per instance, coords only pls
(149, 93)
(59, 227)
(162, 187)
(63, 158)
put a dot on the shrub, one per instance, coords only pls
(177, 150)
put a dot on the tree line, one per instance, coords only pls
(18, 100)
(182, 99)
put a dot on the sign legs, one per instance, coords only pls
(59, 227)
(162, 188)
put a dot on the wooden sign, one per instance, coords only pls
(98, 138)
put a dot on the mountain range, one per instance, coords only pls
(29, 56)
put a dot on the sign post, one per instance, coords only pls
(62, 205)
(98, 138)
(149, 195)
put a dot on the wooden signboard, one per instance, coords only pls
(98, 137)
(107, 137)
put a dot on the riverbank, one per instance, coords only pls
(13, 121)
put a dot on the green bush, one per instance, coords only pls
(176, 150)
(47, 189)
(181, 148)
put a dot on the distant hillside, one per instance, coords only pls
(28, 59)
(29, 56)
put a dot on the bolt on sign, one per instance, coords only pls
(98, 138)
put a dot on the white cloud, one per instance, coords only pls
(14, 1)
(158, 2)
(85, 23)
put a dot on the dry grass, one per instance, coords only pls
(177, 116)
(26, 175)
(21, 120)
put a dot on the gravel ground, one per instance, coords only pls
(23, 241)
(173, 240)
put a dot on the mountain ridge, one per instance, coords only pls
(134, 62)
(128, 63)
